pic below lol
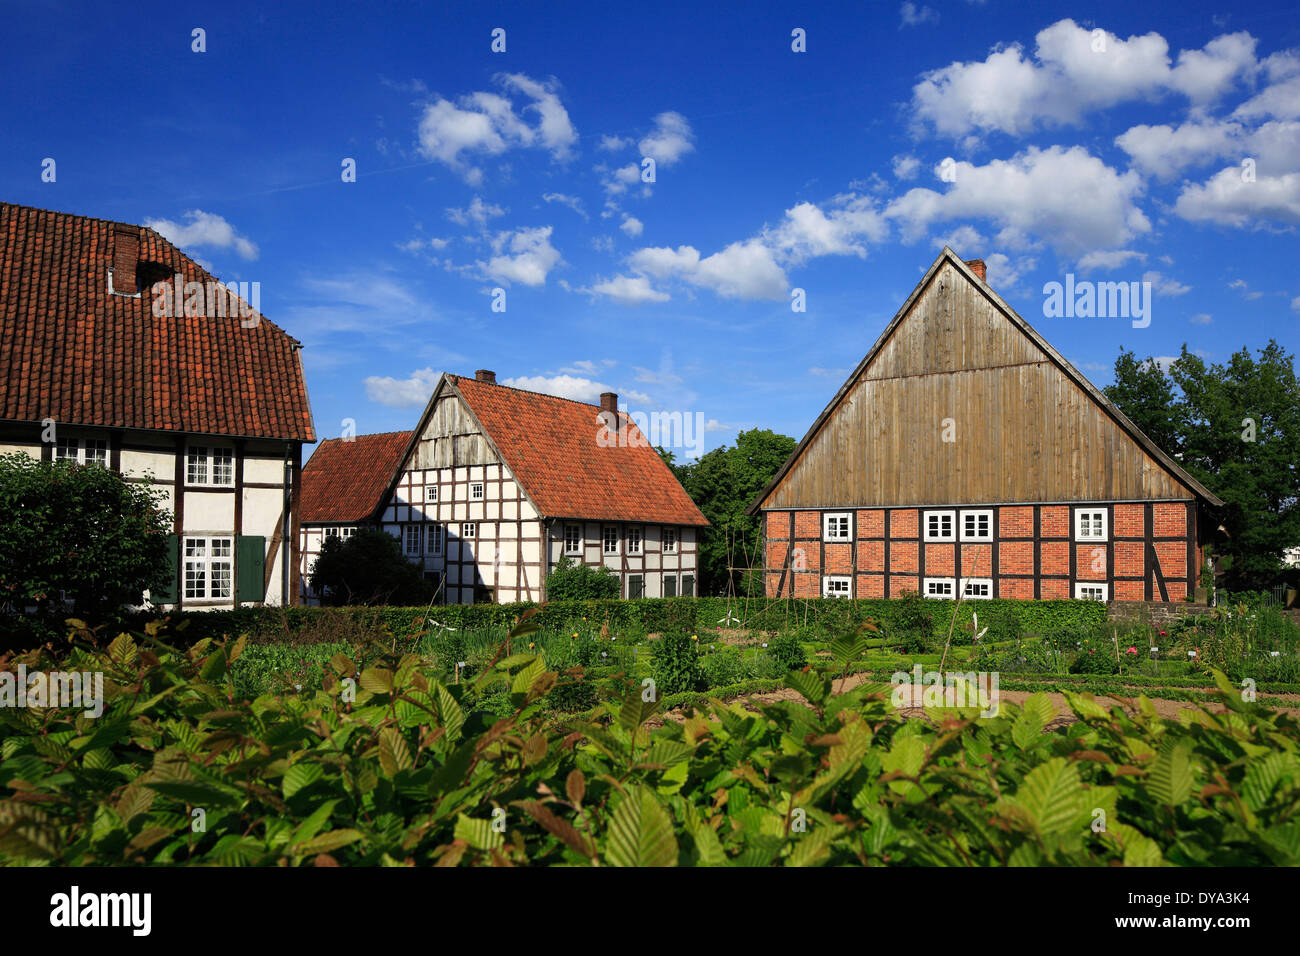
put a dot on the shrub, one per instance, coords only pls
(581, 582)
(675, 664)
(787, 652)
(723, 667)
(1096, 655)
(368, 568)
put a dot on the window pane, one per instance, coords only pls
(223, 467)
(197, 468)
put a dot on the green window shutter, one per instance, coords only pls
(635, 585)
(250, 567)
(688, 585)
(670, 585)
(167, 593)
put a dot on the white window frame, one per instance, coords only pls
(669, 540)
(337, 532)
(948, 584)
(433, 540)
(634, 539)
(476, 491)
(831, 530)
(208, 457)
(981, 583)
(573, 540)
(940, 515)
(469, 530)
(1080, 514)
(208, 567)
(431, 494)
(1101, 586)
(837, 579)
(81, 449)
(976, 513)
(408, 532)
(605, 542)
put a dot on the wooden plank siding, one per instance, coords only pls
(1024, 430)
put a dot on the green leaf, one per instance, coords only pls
(394, 754)
(300, 775)
(640, 832)
(1052, 796)
(477, 832)
(328, 842)
(1172, 777)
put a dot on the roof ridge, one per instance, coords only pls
(525, 391)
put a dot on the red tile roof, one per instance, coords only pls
(550, 445)
(71, 351)
(345, 480)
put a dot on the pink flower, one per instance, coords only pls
(1131, 650)
(1091, 651)
(1162, 633)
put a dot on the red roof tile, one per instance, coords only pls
(73, 352)
(550, 445)
(345, 480)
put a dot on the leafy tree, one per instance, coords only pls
(581, 582)
(368, 568)
(1236, 429)
(723, 483)
(79, 529)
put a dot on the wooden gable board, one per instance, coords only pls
(957, 356)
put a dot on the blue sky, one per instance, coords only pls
(1105, 140)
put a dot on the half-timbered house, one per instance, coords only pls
(210, 407)
(964, 453)
(497, 485)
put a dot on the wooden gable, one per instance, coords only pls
(450, 437)
(960, 401)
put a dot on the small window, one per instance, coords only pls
(611, 540)
(940, 526)
(835, 527)
(977, 525)
(670, 585)
(433, 539)
(208, 568)
(84, 451)
(838, 586)
(476, 491)
(430, 493)
(670, 540)
(939, 587)
(978, 589)
(468, 530)
(348, 532)
(331, 532)
(635, 586)
(633, 540)
(573, 539)
(688, 585)
(412, 539)
(1090, 524)
(1091, 592)
(210, 466)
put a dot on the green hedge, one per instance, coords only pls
(653, 615)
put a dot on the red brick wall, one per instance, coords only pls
(883, 566)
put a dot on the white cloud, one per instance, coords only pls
(744, 270)
(836, 373)
(575, 387)
(961, 239)
(203, 229)
(1067, 197)
(905, 167)
(1201, 318)
(910, 15)
(1227, 200)
(616, 182)
(1072, 72)
(669, 141)
(807, 231)
(476, 213)
(524, 256)
(1281, 98)
(1165, 151)
(1164, 285)
(614, 143)
(410, 392)
(485, 123)
(1108, 259)
(573, 202)
(1004, 272)
(627, 290)
(632, 226)
(1295, 304)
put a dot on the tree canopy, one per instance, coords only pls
(368, 568)
(78, 529)
(723, 483)
(1235, 427)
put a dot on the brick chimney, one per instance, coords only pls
(609, 401)
(977, 267)
(126, 257)
(483, 375)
